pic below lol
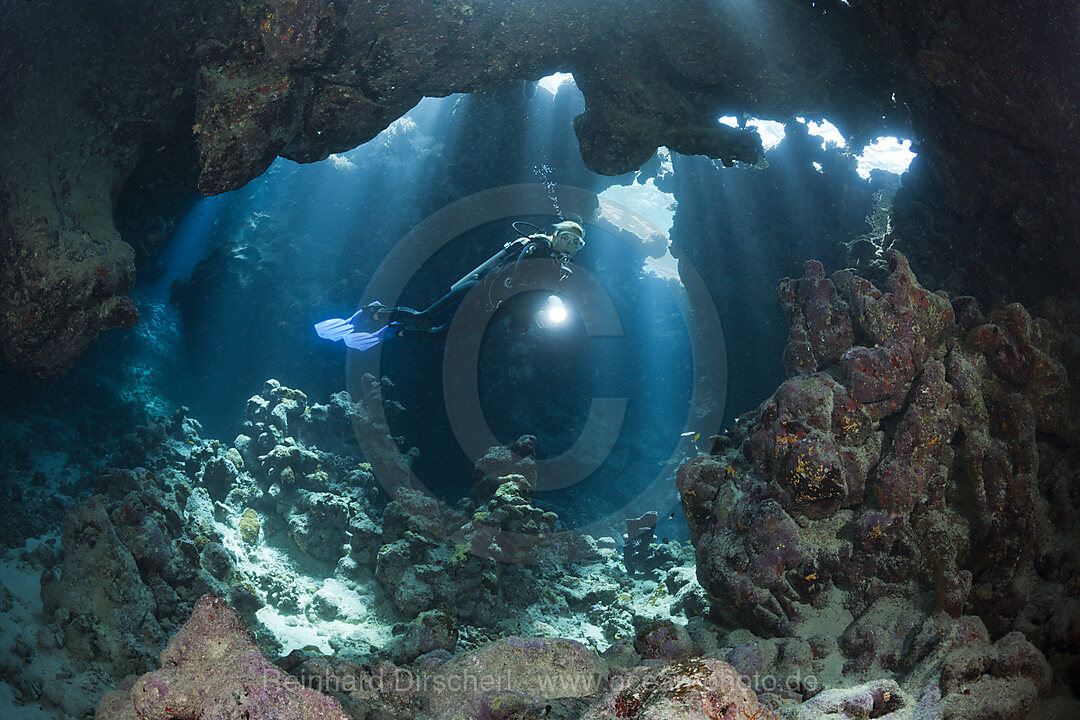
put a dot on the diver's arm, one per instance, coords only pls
(537, 247)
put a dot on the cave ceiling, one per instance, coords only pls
(200, 94)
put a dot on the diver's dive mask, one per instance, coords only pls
(569, 237)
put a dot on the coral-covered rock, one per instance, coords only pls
(369, 690)
(433, 556)
(276, 410)
(899, 329)
(819, 323)
(969, 678)
(478, 683)
(413, 511)
(917, 467)
(818, 443)
(104, 610)
(219, 475)
(499, 462)
(289, 464)
(427, 632)
(921, 475)
(906, 315)
(420, 571)
(750, 552)
(318, 523)
(508, 529)
(212, 668)
(692, 688)
(663, 640)
(874, 699)
(248, 526)
(135, 563)
(879, 639)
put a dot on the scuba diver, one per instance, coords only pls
(499, 273)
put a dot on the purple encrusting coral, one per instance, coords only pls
(909, 468)
(212, 668)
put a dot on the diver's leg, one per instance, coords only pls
(407, 320)
(403, 315)
(377, 315)
(451, 298)
(426, 319)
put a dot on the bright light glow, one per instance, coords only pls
(729, 120)
(829, 133)
(771, 131)
(342, 163)
(665, 267)
(885, 153)
(403, 124)
(552, 83)
(645, 199)
(555, 312)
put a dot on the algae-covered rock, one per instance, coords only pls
(318, 523)
(501, 461)
(249, 526)
(428, 632)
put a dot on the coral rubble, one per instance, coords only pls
(289, 525)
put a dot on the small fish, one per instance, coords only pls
(691, 434)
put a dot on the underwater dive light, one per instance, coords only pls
(554, 313)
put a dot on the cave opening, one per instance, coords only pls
(244, 275)
(303, 241)
(874, 474)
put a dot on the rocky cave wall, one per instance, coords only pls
(206, 95)
(919, 461)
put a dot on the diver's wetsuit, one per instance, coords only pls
(359, 332)
(435, 319)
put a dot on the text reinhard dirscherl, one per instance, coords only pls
(555, 684)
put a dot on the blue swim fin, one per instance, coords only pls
(366, 341)
(333, 329)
